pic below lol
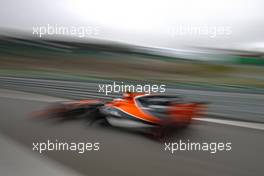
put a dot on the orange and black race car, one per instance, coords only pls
(135, 111)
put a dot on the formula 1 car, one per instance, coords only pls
(137, 111)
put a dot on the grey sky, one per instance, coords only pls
(147, 22)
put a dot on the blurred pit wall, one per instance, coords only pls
(114, 61)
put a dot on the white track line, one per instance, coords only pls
(252, 125)
(28, 96)
(17, 159)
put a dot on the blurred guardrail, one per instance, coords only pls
(230, 105)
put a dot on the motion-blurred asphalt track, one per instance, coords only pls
(123, 153)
